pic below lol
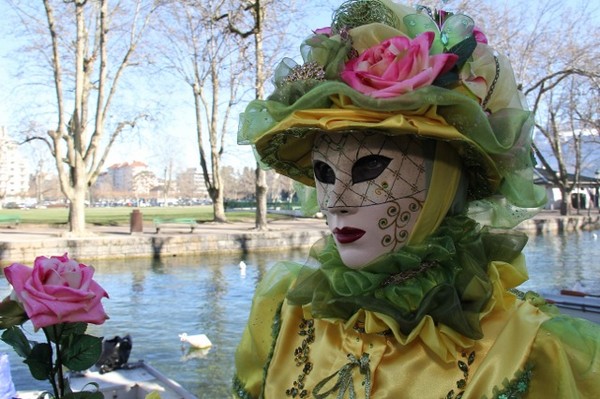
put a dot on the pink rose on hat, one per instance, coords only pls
(396, 66)
(57, 290)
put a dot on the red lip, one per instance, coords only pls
(347, 235)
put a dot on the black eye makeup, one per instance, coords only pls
(324, 173)
(369, 167)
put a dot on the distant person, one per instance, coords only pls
(418, 142)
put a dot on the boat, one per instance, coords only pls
(131, 381)
(576, 303)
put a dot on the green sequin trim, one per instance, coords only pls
(239, 386)
(517, 387)
(238, 389)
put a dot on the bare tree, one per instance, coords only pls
(553, 49)
(258, 19)
(90, 47)
(255, 30)
(210, 61)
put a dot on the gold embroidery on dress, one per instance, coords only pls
(301, 357)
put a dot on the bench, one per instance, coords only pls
(176, 222)
(10, 220)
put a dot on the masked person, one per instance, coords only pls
(417, 140)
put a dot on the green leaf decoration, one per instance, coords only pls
(455, 29)
(464, 50)
(447, 80)
(14, 337)
(11, 314)
(82, 353)
(40, 361)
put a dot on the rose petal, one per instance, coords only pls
(57, 290)
(396, 66)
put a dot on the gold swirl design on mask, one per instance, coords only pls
(398, 219)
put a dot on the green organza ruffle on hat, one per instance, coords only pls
(444, 277)
(500, 141)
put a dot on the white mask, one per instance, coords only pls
(371, 187)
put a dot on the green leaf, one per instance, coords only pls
(64, 331)
(40, 361)
(447, 80)
(464, 50)
(11, 314)
(83, 352)
(14, 337)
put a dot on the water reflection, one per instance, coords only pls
(556, 262)
(156, 300)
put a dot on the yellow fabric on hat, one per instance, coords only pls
(424, 123)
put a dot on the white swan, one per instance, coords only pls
(199, 341)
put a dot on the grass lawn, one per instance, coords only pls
(114, 216)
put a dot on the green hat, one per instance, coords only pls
(395, 70)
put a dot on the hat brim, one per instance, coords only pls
(287, 146)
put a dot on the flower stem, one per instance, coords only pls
(51, 377)
(59, 366)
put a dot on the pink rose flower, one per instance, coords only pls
(479, 36)
(396, 66)
(323, 31)
(57, 290)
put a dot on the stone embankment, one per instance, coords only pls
(548, 222)
(24, 243)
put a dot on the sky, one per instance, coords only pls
(174, 134)
(176, 126)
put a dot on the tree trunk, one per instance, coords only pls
(261, 178)
(564, 202)
(77, 210)
(77, 202)
(219, 208)
(261, 198)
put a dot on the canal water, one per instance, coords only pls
(154, 301)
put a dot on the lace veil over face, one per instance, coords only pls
(371, 188)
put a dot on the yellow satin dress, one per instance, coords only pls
(525, 352)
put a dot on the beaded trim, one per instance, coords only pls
(493, 85)
(238, 389)
(404, 276)
(308, 71)
(301, 357)
(461, 384)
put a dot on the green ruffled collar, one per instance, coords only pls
(444, 277)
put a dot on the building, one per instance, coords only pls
(191, 185)
(134, 178)
(14, 171)
(121, 175)
(583, 196)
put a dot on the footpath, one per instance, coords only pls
(24, 242)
